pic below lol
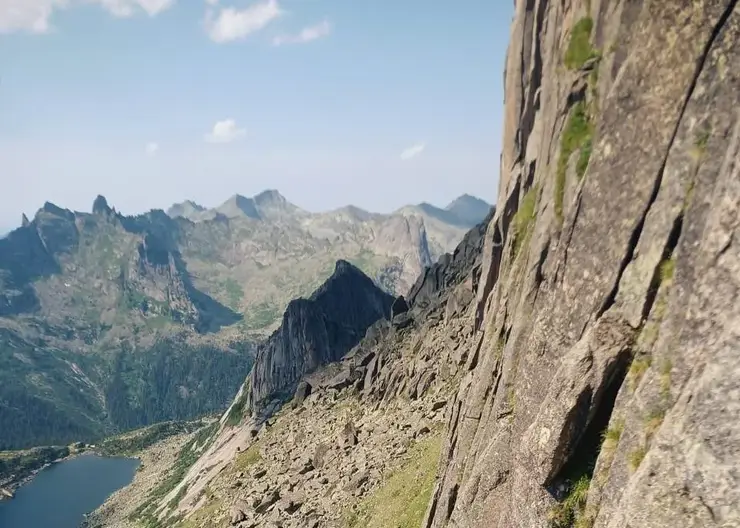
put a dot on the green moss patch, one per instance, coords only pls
(578, 134)
(401, 501)
(570, 512)
(524, 219)
(579, 47)
(249, 457)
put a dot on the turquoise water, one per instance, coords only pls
(60, 495)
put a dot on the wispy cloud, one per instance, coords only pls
(234, 24)
(307, 34)
(34, 16)
(225, 131)
(413, 151)
(151, 148)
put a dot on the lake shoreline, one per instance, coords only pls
(68, 490)
(12, 486)
(123, 445)
(155, 460)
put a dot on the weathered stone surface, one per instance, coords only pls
(599, 319)
(302, 392)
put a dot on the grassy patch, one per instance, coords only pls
(653, 421)
(665, 378)
(666, 270)
(699, 148)
(135, 441)
(237, 411)
(500, 345)
(614, 432)
(261, 315)
(637, 370)
(579, 47)
(249, 457)
(204, 517)
(569, 512)
(187, 456)
(234, 293)
(583, 157)
(524, 218)
(635, 457)
(401, 501)
(577, 135)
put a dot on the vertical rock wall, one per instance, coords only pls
(607, 393)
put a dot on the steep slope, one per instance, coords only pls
(606, 393)
(314, 332)
(101, 328)
(469, 209)
(583, 343)
(375, 413)
(187, 209)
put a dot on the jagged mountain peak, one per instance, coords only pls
(467, 200)
(54, 210)
(239, 205)
(270, 196)
(100, 206)
(316, 331)
(470, 209)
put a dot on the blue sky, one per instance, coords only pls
(149, 102)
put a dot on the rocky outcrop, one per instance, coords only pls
(450, 269)
(605, 393)
(314, 332)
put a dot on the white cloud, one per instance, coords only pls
(307, 34)
(234, 24)
(225, 131)
(34, 16)
(413, 151)
(151, 148)
(212, 2)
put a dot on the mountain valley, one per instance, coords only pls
(109, 322)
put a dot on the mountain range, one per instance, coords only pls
(109, 322)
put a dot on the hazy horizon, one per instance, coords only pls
(88, 209)
(152, 103)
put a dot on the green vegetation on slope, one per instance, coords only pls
(172, 380)
(402, 500)
(22, 463)
(187, 456)
(579, 47)
(49, 396)
(577, 135)
(44, 398)
(236, 413)
(133, 442)
(524, 219)
(569, 512)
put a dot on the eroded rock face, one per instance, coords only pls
(316, 331)
(607, 306)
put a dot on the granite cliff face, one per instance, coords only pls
(606, 390)
(574, 362)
